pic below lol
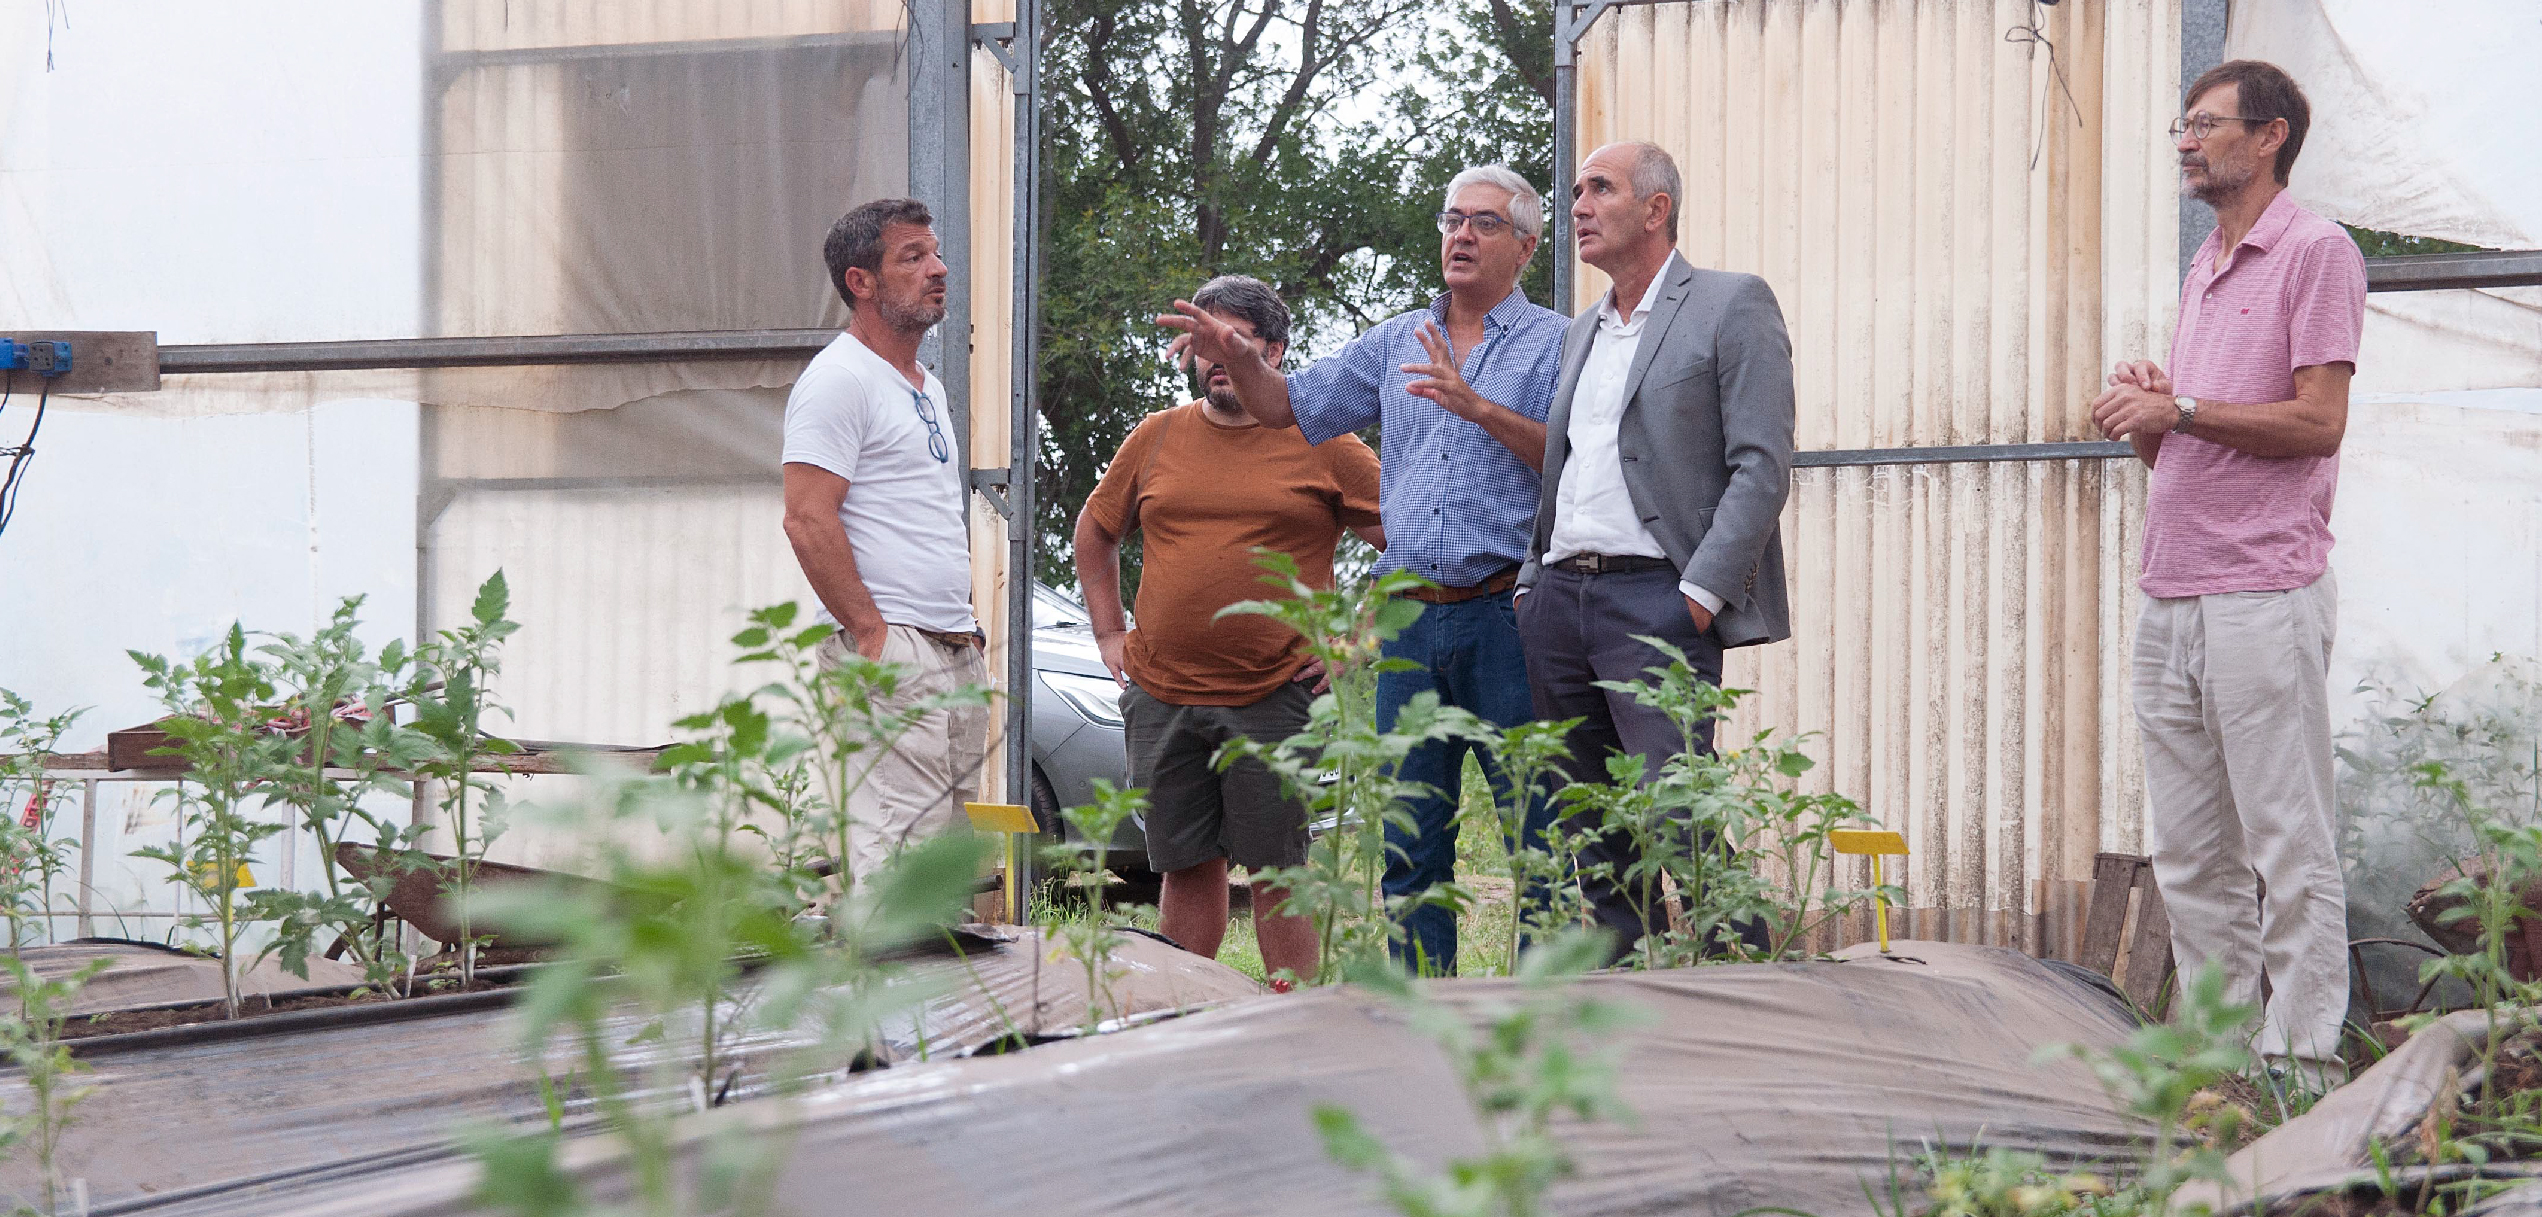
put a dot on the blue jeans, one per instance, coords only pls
(1468, 653)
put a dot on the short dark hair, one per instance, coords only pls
(857, 239)
(2266, 92)
(1250, 298)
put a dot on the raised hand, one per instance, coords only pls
(1443, 382)
(1205, 335)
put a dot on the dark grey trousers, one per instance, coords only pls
(1579, 630)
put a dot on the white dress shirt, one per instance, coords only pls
(1592, 511)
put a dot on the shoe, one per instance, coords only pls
(2288, 1074)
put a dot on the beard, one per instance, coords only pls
(2218, 184)
(1224, 397)
(911, 315)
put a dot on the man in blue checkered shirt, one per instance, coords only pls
(1461, 389)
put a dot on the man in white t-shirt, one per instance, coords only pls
(875, 510)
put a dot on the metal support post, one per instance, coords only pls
(1023, 426)
(1566, 123)
(1571, 22)
(940, 177)
(2201, 47)
(87, 861)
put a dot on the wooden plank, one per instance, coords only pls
(2105, 921)
(2149, 964)
(102, 361)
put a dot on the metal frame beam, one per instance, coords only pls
(940, 176)
(2202, 25)
(505, 351)
(2432, 272)
(1024, 59)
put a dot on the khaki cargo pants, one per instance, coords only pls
(917, 789)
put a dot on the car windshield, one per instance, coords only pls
(1055, 610)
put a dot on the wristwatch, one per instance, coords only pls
(2188, 407)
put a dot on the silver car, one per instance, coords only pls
(1076, 729)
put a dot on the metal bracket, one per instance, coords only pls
(997, 38)
(991, 485)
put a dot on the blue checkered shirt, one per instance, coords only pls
(1459, 508)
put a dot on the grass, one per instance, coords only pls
(1481, 863)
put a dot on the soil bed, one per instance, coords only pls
(156, 1018)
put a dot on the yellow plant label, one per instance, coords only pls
(1866, 841)
(1001, 817)
(204, 873)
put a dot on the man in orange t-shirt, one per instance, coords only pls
(1206, 484)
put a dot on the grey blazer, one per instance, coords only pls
(1706, 440)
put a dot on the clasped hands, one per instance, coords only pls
(2138, 402)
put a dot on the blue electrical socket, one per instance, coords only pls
(44, 358)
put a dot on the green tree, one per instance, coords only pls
(1303, 143)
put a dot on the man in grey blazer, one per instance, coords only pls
(1668, 455)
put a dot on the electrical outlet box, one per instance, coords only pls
(45, 357)
(110, 361)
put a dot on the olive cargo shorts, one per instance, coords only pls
(1195, 811)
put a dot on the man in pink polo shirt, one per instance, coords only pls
(2233, 645)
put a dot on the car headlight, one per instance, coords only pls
(1095, 697)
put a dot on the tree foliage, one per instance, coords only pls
(1301, 141)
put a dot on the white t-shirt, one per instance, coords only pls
(855, 415)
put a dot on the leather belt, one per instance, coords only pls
(957, 641)
(1612, 564)
(1458, 595)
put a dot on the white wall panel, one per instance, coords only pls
(627, 598)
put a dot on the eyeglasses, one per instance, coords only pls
(2203, 125)
(936, 446)
(1484, 224)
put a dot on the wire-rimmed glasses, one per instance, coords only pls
(1484, 223)
(926, 407)
(2203, 125)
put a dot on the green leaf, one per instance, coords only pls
(494, 598)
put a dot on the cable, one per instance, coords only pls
(21, 455)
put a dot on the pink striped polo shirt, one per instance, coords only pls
(2218, 519)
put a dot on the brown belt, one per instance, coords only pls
(948, 638)
(1458, 595)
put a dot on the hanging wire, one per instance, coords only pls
(54, 9)
(2036, 35)
(23, 454)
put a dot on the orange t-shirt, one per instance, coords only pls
(1204, 499)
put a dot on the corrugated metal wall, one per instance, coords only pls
(510, 25)
(1925, 187)
(610, 167)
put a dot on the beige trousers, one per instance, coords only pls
(2233, 700)
(917, 789)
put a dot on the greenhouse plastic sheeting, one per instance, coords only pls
(2330, 1145)
(1782, 1084)
(2411, 112)
(173, 1120)
(478, 167)
(140, 974)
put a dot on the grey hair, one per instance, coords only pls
(1250, 298)
(1655, 172)
(857, 239)
(1526, 207)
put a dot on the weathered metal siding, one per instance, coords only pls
(512, 25)
(1926, 196)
